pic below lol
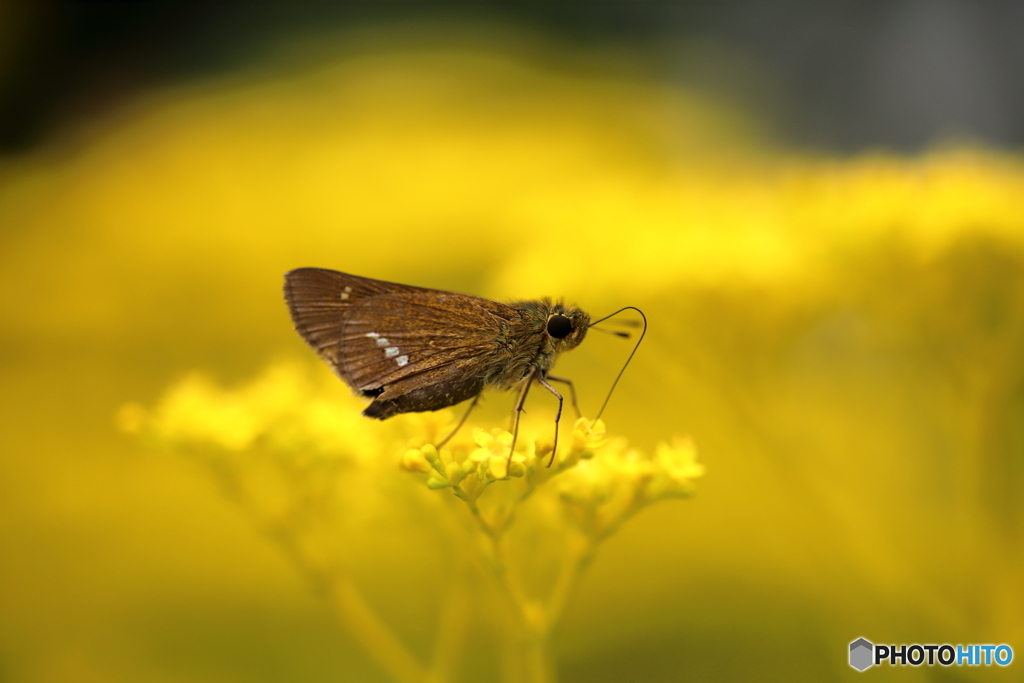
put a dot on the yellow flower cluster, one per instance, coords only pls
(468, 470)
(601, 493)
(275, 443)
(280, 411)
(605, 483)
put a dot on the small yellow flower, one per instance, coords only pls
(436, 482)
(454, 473)
(542, 447)
(493, 453)
(430, 454)
(588, 435)
(677, 466)
(415, 461)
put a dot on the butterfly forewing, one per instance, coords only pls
(319, 300)
(394, 336)
(399, 343)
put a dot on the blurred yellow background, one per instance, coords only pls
(841, 337)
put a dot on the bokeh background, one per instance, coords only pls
(819, 209)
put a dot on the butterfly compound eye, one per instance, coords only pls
(559, 326)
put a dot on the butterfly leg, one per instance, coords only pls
(515, 416)
(472, 404)
(558, 416)
(572, 392)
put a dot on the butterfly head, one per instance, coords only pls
(566, 326)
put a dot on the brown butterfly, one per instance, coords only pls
(413, 349)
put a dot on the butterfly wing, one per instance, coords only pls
(410, 348)
(319, 301)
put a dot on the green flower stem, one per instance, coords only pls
(539, 662)
(569, 577)
(526, 659)
(374, 637)
(606, 527)
(537, 618)
(451, 635)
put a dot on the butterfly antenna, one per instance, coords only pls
(635, 347)
(617, 333)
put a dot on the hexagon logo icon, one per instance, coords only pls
(861, 652)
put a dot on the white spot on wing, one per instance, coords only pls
(402, 360)
(372, 335)
(382, 341)
(391, 352)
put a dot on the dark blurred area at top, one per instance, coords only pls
(835, 76)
